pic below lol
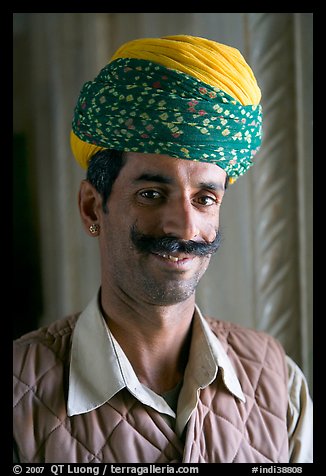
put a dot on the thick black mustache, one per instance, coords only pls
(170, 244)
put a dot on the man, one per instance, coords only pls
(140, 376)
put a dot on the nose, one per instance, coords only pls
(180, 220)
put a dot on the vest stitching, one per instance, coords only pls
(30, 387)
(241, 432)
(67, 330)
(255, 404)
(122, 418)
(134, 404)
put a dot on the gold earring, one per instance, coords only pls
(94, 228)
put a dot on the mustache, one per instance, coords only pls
(169, 244)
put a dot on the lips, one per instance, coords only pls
(173, 258)
(170, 258)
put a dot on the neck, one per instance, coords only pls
(155, 339)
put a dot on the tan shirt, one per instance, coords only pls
(95, 377)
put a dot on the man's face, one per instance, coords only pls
(160, 211)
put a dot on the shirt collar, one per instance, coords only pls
(96, 376)
(93, 376)
(220, 358)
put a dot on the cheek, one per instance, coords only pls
(147, 220)
(210, 226)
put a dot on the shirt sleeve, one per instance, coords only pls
(300, 416)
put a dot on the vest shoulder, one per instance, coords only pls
(226, 327)
(55, 329)
(49, 344)
(245, 341)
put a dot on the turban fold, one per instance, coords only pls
(183, 96)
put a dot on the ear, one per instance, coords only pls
(90, 205)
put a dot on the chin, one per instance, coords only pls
(169, 297)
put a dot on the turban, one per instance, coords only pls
(184, 96)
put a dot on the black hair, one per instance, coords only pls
(103, 169)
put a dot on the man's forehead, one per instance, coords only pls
(156, 165)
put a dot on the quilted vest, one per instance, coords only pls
(222, 429)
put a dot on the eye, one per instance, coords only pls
(207, 200)
(149, 195)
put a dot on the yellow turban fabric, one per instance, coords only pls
(217, 65)
(213, 63)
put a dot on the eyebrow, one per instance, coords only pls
(159, 178)
(148, 177)
(214, 186)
